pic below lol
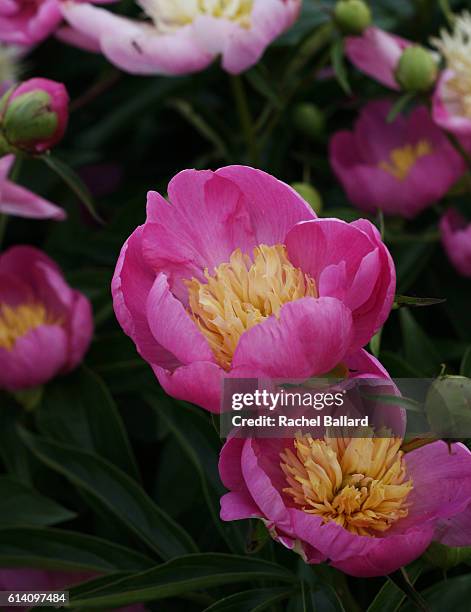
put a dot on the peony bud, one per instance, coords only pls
(309, 120)
(310, 194)
(352, 16)
(417, 70)
(34, 116)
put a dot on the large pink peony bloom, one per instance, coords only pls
(400, 167)
(28, 22)
(377, 54)
(45, 326)
(17, 579)
(237, 277)
(358, 504)
(20, 202)
(181, 36)
(456, 238)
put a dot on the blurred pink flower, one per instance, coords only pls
(376, 53)
(18, 201)
(45, 325)
(305, 492)
(28, 22)
(18, 579)
(400, 167)
(456, 238)
(181, 36)
(237, 277)
(30, 103)
(451, 105)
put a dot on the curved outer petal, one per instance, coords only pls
(80, 330)
(18, 201)
(23, 27)
(348, 262)
(376, 53)
(240, 47)
(134, 46)
(198, 383)
(456, 239)
(310, 337)
(446, 109)
(35, 358)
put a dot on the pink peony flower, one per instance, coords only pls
(456, 239)
(451, 107)
(20, 202)
(377, 54)
(35, 116)
(45, 325)
(28, 22)
(358, 503)
(17, 579)
(237, 277)
(400, 167)
(181, 36)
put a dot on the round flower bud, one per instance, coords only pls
(310, 194)
(352, 16)
(309, 120)
(34, 116)
(417, 69)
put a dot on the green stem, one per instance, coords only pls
(461, 150)
(3, 226)
(245, 119)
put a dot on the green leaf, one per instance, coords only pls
(390, 596)
(14, 455)
(401, 579)
(116, 493)
(453, 594)
(465, 367)
(447, 557)
(22, 505)
(398, 367)
(260, 79)
(255, 600)
(400, 104)
(406, 300)
(66, 550)
(338, 64)
(199, 441)
(322, 588)
(184, 575)
(418, 349)
(410, 260)
(73, 181)
(79, 410)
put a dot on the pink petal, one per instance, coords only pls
(172, 326)
(445, 113)
(80, 328)
(35, 358)
(16, 200)
(310, 337)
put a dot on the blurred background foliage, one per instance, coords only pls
(107, 473)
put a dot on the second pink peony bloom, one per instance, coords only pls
(235, 276)
(400, 167)
(456, 238)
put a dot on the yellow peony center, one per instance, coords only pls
(169, 15)
(456, 49)
(242, 293)
(402, 160)
(360, 483)
(17, 321)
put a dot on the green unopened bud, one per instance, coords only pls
(309, 120)
(417, 69)
(310, 194)
(28, 118)
(352, 16)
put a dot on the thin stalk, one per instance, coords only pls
(461, 150)
(245, 118)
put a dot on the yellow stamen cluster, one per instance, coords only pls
(17, 321)
(360, 483)
(169, 15)
(402, 160)
(456, 49)
(242, 293)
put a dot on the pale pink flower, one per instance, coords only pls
(456, 239)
